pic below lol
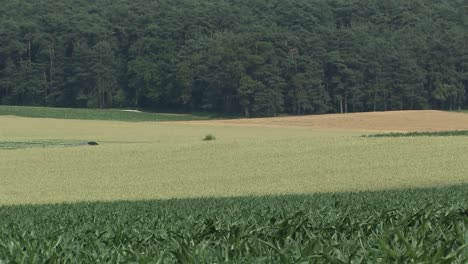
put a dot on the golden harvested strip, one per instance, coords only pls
(136, 161)
(402, 121)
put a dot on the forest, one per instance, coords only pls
(236, 57)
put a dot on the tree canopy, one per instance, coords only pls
(241, 57)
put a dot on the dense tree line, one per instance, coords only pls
(250, 57)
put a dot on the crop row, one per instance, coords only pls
(38, 144)
(453, 133)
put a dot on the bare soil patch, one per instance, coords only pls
(397, 121)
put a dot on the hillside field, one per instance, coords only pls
(393, 121)
(262, 191)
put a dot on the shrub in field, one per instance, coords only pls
(209, 137)
(411, 226)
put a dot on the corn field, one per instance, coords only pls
(417, 226)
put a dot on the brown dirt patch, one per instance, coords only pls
(427, 120)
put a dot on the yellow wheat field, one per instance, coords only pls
(138, 161)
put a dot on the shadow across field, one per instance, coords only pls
(420, 225)
(419, 196)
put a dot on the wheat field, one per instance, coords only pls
(147, 160)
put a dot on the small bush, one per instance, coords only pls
(209, 137)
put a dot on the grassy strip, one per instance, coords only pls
(409, 226)
(38, 144)
(95, 114)
(422, 134)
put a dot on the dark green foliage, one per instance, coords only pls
(410, 226)
(95, 114)
(209, 137)
(248, 57)
(422, 134)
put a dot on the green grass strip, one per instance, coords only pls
(455, 133)
(96, 114)
(9, 145)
